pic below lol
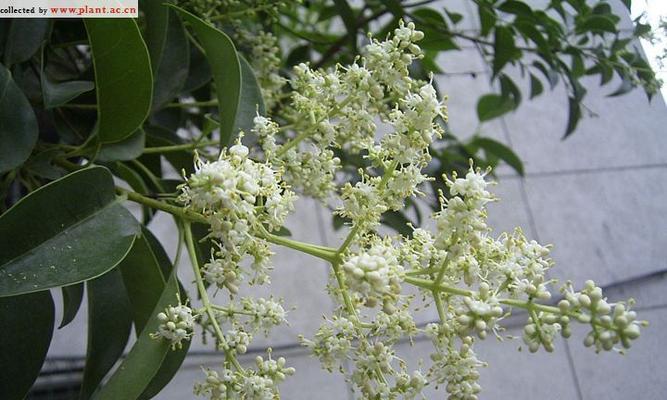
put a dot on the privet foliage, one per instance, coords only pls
(210, 82)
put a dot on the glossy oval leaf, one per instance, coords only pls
(123, 76)
(58, 93)
(492, 106)
(72, 297)
(18, 125)
(146, 357)
(127, 149)
(501, 151)
(24, 38)
(28, 328)
(226, 70)
(68, 231)
(143, 273)
(251, 102)
(136, 182)
(143, 279)
(109, 326)
(170, 52)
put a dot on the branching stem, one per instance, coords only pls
(203, 294)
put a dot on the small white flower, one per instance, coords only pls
(176, 325)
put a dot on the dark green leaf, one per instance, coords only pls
(298, 55)
(226, 70)
(40, 164)
(28, 326)
(24, 39)
(598, 23)
(602, 8)
(180, 160)
(174, 359)
(123, 76)
(492, 106)
(516, 7)
(625, 86)
(127, 149)
(529, 30)
(395, 7)
(56, 94)
(433, 24)
(349, 20)
(199, 73)
(642, 30)
(143, 279)
(203, 248)
(550, 74)
(81, 235)
(504, 48)
(143, 271)
(156, 247)
(398, 222)
(536, 87)
(508, 89)
(251, 102)
(454, 16)
(574, 115)
(487, 18)
(72, 296)
(147, 355)
(501, 151)
(136, 182)
(338, 221)
(109, 325)
(18, 126)
(171, 68)
(430, 17)
(628, 4)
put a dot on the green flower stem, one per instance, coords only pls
(325, 253)
(154, 179)
(441, 288)
(162, 206)
(179, 147)
(340, 279)
(231, 310)
(298, 139)
(532, 307)
(440, 306)
(203, 295)
(303, 135)
(527, 305)
(389, 172)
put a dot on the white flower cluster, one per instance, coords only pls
(176, 325)
(239, 197)
(478, 313)
(243, 200)
(375, 274)
(474, 280)
(339, 111)
(265, 61)
(261, 384)
(610, 323)
(458, 370)
(470, 277)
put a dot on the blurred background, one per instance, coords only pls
(599, 197)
